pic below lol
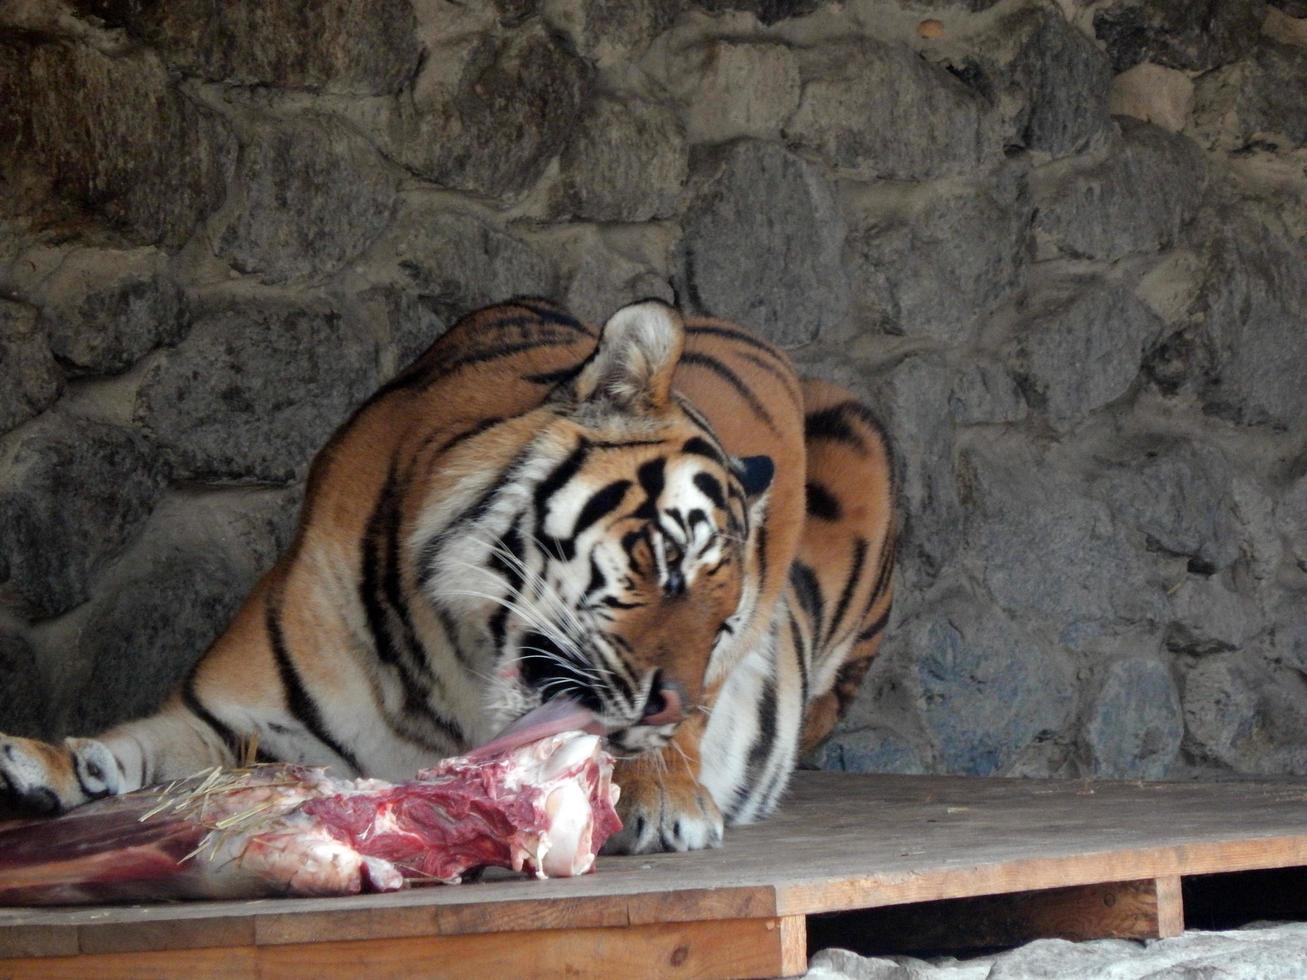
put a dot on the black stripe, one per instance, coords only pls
(298, 701)
(711, 488)
(760, 750)
(739, 336)
(787, 380)
(413, 660)
(192, 701)
(559, 477)
(431, 548)
(821, 503)
(550, 313)
(808, 591)
(830, 423)
(712, 364)
(698, 446)
(600, 505)
(800, 648)
(495, 353)
(871, 631)
(653, 479)
(846, 594)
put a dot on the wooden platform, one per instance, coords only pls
(1032, 858)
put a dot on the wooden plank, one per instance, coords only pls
(1117, 910)
(794, 945)
(199, 964)
(1170, 906)
(725, 948)
(839, 842)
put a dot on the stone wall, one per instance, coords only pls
(1062, 247)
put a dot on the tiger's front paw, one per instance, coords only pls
(40, 778)
(664, 813)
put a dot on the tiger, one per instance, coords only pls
(655, 521)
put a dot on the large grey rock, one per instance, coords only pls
(875, 749)
(604, 281)
(1134, 727)
(1135, 200)
(1208, 616)
(105, 309)
(1262, 100)
(495, 116)
(334, 45)
(1247, 714)
(23, 701)
(762, 244)
(1251, 351)
(1080, 346)
(83, 132)
(144, 634)
(877, 110)
(1179, 495)
(453, 262)
(611, 31)
(732, 89)
(1194, 36)
(255, 390)
(1258, 952)
(29, 378)
(1048, 82)
(986, 687)
(1046, 551)
(410, 320)
(73, 493)
(1291, 521)
(626, 161)
(913, 399)
(938, 261)
(313, 194)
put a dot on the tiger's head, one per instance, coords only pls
(622, 561)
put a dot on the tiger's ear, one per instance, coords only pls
(637, 354)
(755, 473)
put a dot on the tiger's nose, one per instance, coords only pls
(664, 706)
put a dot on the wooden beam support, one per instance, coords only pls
(1147, 909)
(767, 947)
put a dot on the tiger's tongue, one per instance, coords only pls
(551, 718)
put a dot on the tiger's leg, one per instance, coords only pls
(203, 724)
(841, 586)
(663, 805)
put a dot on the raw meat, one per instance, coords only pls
(545, 807)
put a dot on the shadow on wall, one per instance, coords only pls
(1060, 245)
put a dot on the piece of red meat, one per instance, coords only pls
(545, 807)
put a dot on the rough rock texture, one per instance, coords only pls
(143, 636)
(336, 45)
(1258, 952)
(29, 378)
(314, 194)
(1137, 199)
(74, 493)
(862, 91)
(762, 244)
(23, 709)
(493, 116)
(1197, 36)
(254, 391)
(104, 310)
(82, 132)
(626, 162)
(1058, 245)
